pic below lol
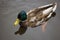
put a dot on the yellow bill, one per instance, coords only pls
(16, 22)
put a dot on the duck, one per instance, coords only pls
(35, 17)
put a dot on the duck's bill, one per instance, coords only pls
(16, 22)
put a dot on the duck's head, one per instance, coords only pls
(21, 17)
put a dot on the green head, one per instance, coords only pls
(22, 15)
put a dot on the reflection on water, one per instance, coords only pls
(21, 30)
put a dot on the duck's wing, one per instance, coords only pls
(32, 11)
(45, 9)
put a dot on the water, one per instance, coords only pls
(9, 10)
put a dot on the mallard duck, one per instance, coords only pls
(35, 17)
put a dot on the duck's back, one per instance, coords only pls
(34, 19)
